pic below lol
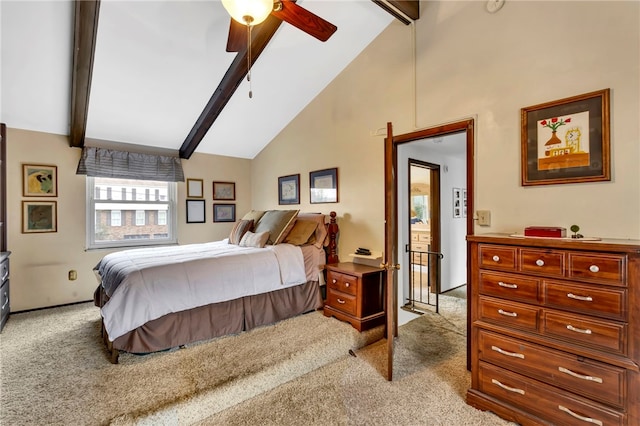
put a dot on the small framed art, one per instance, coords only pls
(39, 216)
(566, 141)
(224, 190)
(224, 212)
(195, 211)
(289, 189)
(323, 185)
(457, 202)
(195, 188)
(39, 180)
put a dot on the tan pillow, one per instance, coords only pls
(254, 215)
(250, 239)
(277, 223)
(238, 230)
(321, 230)
(301, 232)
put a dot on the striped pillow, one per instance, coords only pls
(249, 239)
(238, 231)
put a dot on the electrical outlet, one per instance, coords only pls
(73, 275)
(484, 217)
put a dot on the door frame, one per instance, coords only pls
(391, 217)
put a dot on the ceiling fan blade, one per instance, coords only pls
(304, 20)
(237, 39)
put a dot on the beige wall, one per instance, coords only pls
(471, 64)
(40, 262)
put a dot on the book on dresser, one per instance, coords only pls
(555, 330)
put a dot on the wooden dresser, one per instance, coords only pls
(355, 293)
(420, 242)
(555, 330)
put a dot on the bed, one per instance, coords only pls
(268, 269)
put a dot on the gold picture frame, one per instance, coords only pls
(39, 217)
(566, 141)
(39, 180)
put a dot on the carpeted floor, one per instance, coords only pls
(54, 371)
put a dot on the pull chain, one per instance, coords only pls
(249, 59)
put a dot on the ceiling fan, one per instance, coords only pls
(285, 10)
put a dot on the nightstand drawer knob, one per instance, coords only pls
(340, 301)
(594, 268)
(540, 262)
(507, 314)
(334, 281)
(346, 284)
(578, 330)
(496, 258)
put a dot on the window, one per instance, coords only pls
(128, 219)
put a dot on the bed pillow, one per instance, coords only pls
(254, 215)
(318, 239)
(277, 223)
(239, 229)
(251, 239)
(301, 232)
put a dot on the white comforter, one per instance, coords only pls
(145, 284)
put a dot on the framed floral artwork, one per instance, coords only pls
(224, 212)
(289, 189)
(39, 180)
(566, 141)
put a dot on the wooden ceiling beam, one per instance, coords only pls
(262, 34)
(84, 46)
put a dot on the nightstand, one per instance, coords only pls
(355, 293)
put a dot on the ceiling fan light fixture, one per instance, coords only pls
(248, 12)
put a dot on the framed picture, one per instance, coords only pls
(39, 216)
(324, 186)
(464, 202)
(289, 189)
(39, 180)
(195, 188)
(457, 202)
(224, 190)
(195, 211)
(566, 141)
(224, 212)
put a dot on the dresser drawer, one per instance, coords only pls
(602, 382)
(342, 302)
(4, 270)
(549, 403)
(594, 300)
(342, 282)
(606, 269)
(587, 331)
(510, 314)
(5, 302)
(506, 286)
(542, 262)
(497, 257)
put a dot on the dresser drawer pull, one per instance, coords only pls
(496, 258)
(583, 298)
(505, 387)
(540, 262)
(503, 352)
(579, 417)
(6, 301)
(594, 268)
(507, 285)
(340, 301)
(507, 314)
(578, 330)
(580, 376)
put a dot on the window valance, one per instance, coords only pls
(111, 163)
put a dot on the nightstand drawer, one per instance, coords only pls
(342, 282)
(342, 302)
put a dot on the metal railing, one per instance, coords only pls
(424, 279)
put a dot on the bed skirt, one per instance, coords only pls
(215, 320)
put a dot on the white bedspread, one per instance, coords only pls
(159, 281)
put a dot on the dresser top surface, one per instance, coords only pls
(604, 244)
